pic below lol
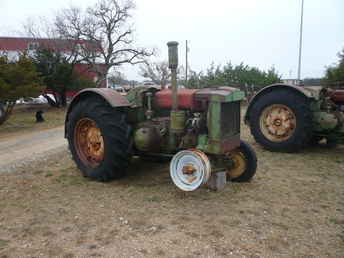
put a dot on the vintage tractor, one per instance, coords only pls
(286, 118)
(198, 128)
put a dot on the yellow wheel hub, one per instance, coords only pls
(89, 142)
(239, 166)
(277, 122)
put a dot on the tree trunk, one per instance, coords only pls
(63, 98)
(7, 111)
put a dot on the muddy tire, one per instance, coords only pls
(281, 121)
(245, 163)
(99, 139)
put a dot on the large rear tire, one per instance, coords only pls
(281, 121)
(99, 139)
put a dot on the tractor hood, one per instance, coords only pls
(220, 94)
(198, 100)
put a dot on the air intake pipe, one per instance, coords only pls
(177, 121)
(173, 64)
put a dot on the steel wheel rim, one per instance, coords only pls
(189, 169)
(89, 142)
(277, 122)
(239, 164)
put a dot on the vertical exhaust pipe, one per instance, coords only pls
(173, 64)
(175, 123)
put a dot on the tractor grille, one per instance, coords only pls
(230, 119)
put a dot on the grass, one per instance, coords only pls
(294, 207)
(294, 198)
(23, 119)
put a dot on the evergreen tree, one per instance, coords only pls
(335, 74)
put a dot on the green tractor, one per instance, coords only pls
(199, 129)
(287, 118)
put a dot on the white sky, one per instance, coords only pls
(260, 33)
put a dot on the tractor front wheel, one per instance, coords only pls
(244, 163)
(99, 139)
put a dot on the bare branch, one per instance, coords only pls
(158, 72)
(100, 34)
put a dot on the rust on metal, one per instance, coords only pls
(191, 179)
(188, 169)
(336, 96)
(89, 142)
(277, 122)
(110, 95)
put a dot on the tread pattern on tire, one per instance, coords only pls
(299, 104)
(251, 163)
(116, 135)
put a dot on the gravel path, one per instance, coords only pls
(20, 151)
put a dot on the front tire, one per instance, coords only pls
(281, 121)
(99, 139)
(245, 163)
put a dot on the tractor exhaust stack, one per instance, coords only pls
(177, 117)
(173, 64)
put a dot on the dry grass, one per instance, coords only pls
(23, 119)
(294, 207)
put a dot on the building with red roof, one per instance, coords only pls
(14, 46)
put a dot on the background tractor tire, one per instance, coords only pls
(281, 121)
(245, 164)
(99, 139)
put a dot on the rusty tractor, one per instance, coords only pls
(199, 129)
(286, 118)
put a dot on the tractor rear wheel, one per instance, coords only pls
(99, 139)
(281, 120)
(245, 163)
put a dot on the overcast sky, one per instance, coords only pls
(261, 33)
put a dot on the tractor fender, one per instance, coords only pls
(298, 89)
(110, 95)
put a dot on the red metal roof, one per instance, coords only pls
(22, 44)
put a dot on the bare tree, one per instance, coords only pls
(158, 72)
(105, 34)
(42, 28)
(117, 78)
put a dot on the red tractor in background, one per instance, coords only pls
(287, 118)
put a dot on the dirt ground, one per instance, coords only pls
(294, 207)
(22, 149)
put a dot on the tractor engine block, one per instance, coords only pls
(150, 135)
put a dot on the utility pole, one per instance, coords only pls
(300, 45)
(186, 62)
